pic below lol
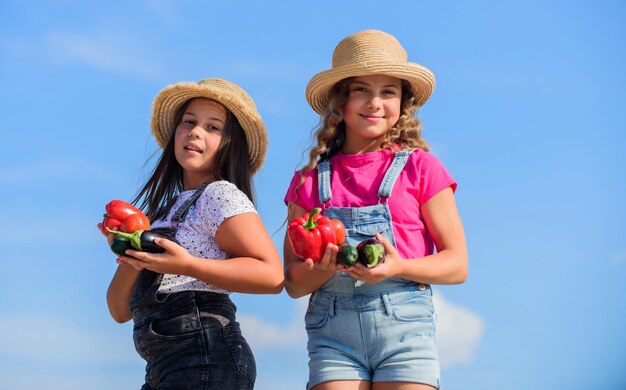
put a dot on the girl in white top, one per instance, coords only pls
(213, 141)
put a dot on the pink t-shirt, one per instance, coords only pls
(355, 181)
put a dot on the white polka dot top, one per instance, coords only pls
(219, 201)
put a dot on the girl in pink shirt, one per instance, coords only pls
(374, 328)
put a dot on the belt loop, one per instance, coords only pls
(331, 307)
(387, 304)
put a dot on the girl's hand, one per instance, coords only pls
(175, 260)
(108, 236)
(392, 265)
(328, 262)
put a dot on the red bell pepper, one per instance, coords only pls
(125, 217)
(311, 233)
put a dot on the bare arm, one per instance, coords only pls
(302, 277)
(448, 266)
(120, 291)
(254, 266)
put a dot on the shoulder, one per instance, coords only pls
(429, 173)
(303, 192)
(421, 157)
(223, 199)
(221, 187)
(422, 162)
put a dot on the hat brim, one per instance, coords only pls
(421, 79)
(170, 99)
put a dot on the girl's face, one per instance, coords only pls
(197, 139)
(372, 108)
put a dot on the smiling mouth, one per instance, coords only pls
(193, 149)
(371, 117)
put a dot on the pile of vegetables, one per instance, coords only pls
(133, 229)
(311, 233)
(369, 252)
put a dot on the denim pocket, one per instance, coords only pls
(414, 310)
(240, 352)
(176, 327)
(316, 317)
(370, 229)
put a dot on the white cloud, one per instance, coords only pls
(56, 169)
(459, 332)
(50, 229)
(109, 50)
(21, 377)
(269, 69)
(619, 257)
(165, 10)
(68, 357)
(46, 340)
(262, 335)
(61, 345)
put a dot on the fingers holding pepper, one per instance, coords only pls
(328, 261)
(311, 233)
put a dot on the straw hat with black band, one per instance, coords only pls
(364, 53)
(233, 97)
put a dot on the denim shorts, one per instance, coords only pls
(190, 340)
(372, 334)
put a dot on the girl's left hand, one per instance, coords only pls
(393, 265)
(174, 260)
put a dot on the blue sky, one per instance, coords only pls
(528, 115)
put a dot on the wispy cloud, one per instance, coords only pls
(106, 50)
(69, 357)
(56, 169)
(619, 257)
(165, 10)
(50, 229)
(67, 348)
(46, 340)
(262, 335)
(280, 70)
(459, 331)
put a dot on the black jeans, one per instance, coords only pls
(190, 339)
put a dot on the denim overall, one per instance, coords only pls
(189, 339)
(373, 332)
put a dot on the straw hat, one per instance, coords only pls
(233, 97)
(365, 53)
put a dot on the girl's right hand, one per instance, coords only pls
(108, 236)
(328, 262)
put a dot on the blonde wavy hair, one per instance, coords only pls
(330, 135)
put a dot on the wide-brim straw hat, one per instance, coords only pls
(364, 53)
(234, 98)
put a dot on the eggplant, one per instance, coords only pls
(120, 244)
(347, 254)
(371, 252)
(143, 240)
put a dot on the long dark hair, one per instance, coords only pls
(232, 163)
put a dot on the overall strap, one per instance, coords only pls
(181, 212)
(399, 161)
(323, 181)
